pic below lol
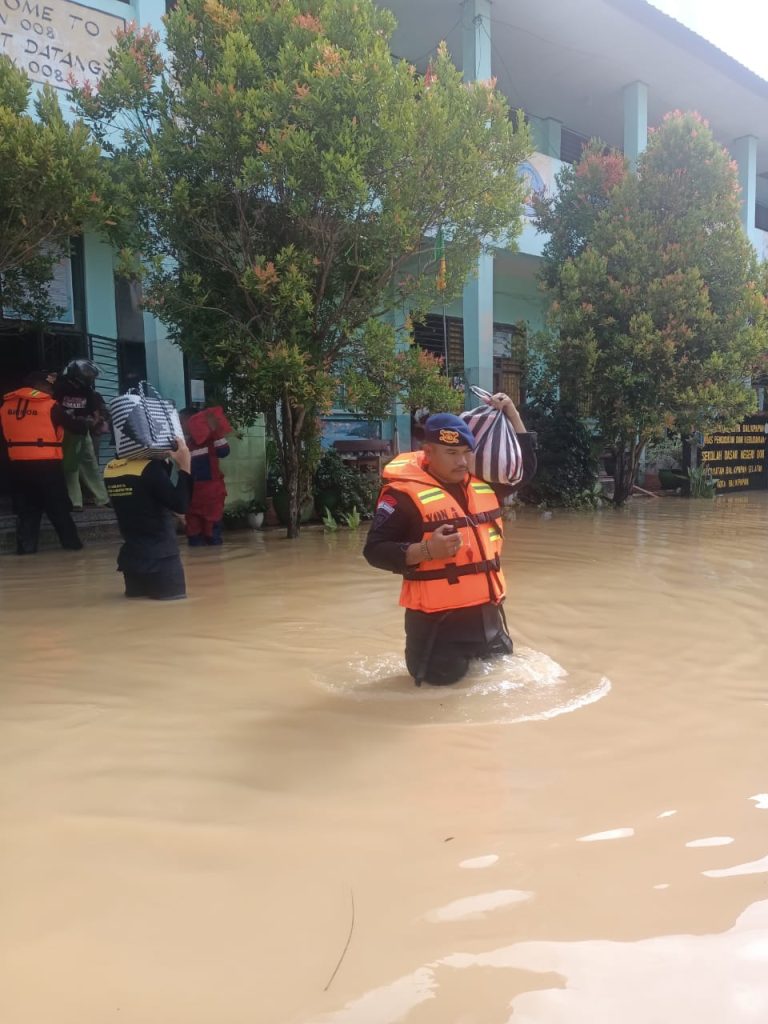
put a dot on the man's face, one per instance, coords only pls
(449, 463)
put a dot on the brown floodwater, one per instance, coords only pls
(202, 803)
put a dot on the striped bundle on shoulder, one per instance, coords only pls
(498, 458)
(144, 424)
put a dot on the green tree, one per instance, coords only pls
(289, 177)
(53, 182)
(658, 304)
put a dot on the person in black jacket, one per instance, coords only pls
(145, 501)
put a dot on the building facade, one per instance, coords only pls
(102, 313)
(103, 316)
(578, 69)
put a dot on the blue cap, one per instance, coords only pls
(445, 428)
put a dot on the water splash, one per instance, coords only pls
(527, 686)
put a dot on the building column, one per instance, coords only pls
(744, 151)
(553, 133)
(101, 314)
(478, 328)
(478, 290)
(165, 362)
(547, 135)
(635, 121)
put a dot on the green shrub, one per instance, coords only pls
(355, 490)
(567, 460)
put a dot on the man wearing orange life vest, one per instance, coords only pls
(33, 426)
(440, 527)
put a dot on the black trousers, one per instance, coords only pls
(40, 487)
(440, 647)
(167, 583)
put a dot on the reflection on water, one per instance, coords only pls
(599, 981)
(193, 797)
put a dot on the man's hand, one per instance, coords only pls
(182, 456)
(507, 406)
(444, 542)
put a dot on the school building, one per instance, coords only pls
(578, 68)
(102, 315)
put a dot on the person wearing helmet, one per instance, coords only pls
(76, 391)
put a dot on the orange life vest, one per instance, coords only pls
(27, 426)
(474, 576)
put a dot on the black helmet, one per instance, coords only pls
(82, 371)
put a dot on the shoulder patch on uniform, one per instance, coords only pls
(386, 506)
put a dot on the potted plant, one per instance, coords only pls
(235, 515)
(254, 514)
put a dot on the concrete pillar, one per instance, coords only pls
(547, 134)
(478, 328)
(165, 362)
(99, 286)
(744, 152)
(476, 53)
(478, 291)
(635, 121)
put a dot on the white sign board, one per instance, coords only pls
(57, 40)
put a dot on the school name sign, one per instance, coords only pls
(736, 458)
(56, 40)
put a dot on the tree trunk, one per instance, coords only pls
(627, 460)
(292, 482)
(292, 423)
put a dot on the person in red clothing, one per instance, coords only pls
(204, 432)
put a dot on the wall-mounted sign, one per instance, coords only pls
(736, 458)
(56, 40)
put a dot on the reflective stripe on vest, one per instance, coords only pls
(474, 577)
(28, 429)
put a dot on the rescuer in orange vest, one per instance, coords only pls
(440, 527)
(33, 426)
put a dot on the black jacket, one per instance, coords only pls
(144, 499)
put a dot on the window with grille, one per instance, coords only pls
(571, 145)
(508, 351)
(444, 338)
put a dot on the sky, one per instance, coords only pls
(739, 27)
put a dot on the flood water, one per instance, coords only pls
(203, 803)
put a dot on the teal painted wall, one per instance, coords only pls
(245, 470)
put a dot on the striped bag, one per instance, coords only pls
(144, 423)
(498, 458)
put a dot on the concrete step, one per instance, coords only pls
(92, 523)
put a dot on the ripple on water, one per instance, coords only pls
(527, 686)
